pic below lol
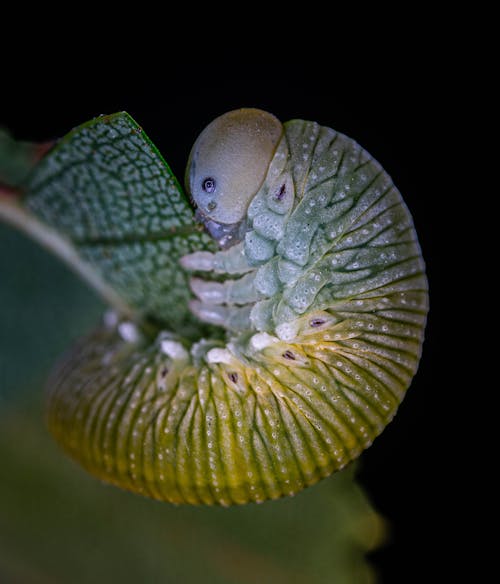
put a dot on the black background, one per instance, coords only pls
(392, 106)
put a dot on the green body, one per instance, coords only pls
(323, 333)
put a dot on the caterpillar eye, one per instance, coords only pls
(208, 185)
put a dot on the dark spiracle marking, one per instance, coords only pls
(281, 193)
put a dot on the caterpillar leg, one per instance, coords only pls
(238, 291)
(227, 304)
(233, 318)
(229, 261)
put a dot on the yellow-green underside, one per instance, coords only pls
(190, 434)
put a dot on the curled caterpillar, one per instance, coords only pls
(319, 285)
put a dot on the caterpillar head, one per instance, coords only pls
(227, 166)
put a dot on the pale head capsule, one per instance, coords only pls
(227, 166)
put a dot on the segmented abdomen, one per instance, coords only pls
(237, 430)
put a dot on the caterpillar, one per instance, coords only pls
(313, 291)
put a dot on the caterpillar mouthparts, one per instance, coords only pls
(320, 287)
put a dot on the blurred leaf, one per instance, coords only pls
(107, 188)
(44, 307)
(57, 524)
(17, 158)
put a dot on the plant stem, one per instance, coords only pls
(13, 213)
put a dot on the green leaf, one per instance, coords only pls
(107, 189)
(57, 524)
